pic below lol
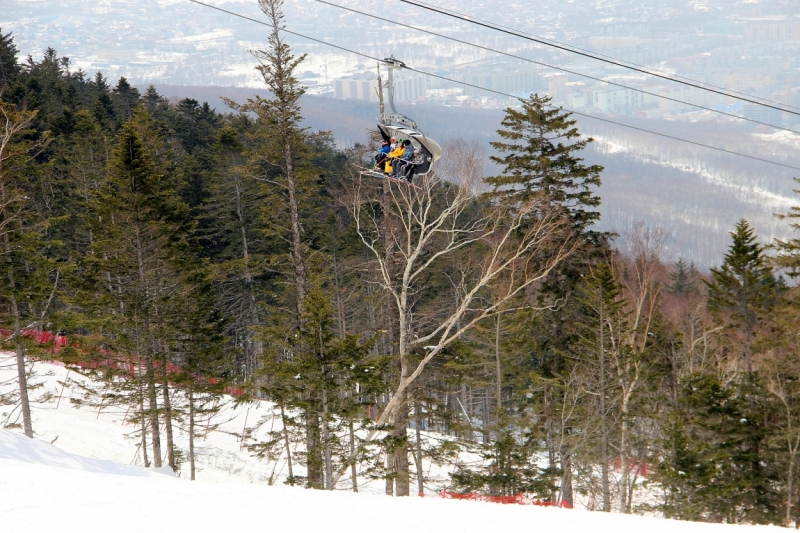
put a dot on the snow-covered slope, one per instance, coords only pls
(16, 447)
(89, 480)
(45, 489)
(106, 432)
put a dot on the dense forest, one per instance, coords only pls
(187, 253)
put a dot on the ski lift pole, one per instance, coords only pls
(393, 116)
(390, 63)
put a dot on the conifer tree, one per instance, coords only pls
(281, 136)
(540, 150)
(280, 158)
(743, 287)
(541, 147)
(25, 270)
(134, 268)
(682, 278)
(125, 99)
(103, 105)
(718, 468)
(602, 341)
(9, 69)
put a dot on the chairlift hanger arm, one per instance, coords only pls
(394, 117)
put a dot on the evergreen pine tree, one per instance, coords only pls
(135, 268)
(600, 345)
(9, 69)
(541, 147)
(279, 156)
(124, 99)
(682, 278)
(540, 155)
(717, 469)
(743, 287)
(103, 105)
(26, 272)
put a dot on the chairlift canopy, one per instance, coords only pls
(417, 139)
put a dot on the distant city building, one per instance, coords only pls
(763, 114)
(772, 31)
(356, 88)
(621, 100)
(365, 87)
(556, 86)
(577, 100)
(509, 80)
(409, 88)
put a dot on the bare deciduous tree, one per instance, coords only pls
(435, 221)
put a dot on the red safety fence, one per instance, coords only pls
(39, 337)
(634, 466)
(519, 499)
(125, 364)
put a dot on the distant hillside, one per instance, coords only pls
(696, 194)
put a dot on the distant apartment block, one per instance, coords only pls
(353, 88)
(621, 100)
(772, 31)
(409, 88)
(521, 81)
(764, 114)
(365, 87)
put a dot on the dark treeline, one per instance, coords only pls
(183, 251)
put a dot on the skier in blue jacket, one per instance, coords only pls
(380, 157)
(405, 159)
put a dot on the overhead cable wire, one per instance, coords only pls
(649, 69)
(432, 75)
(488, 49)
(515, 33)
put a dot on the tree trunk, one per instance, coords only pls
(298, 255)
(168, 423)
(389, 489)
(313, 455)
(191, 434)
(142, 416)
(22, 375)
(603, 425)
(353, 470)
(153, 411)
(288, 448)
(498, 391)
(400, 437)
(551, 451)
(395, 327)
(326, 443)
(420, 470)
(623, 465)
(467, 418)
(566, 476)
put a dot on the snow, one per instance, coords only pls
(73, 486)
(106, 433)
(17, 447)
(45, 489)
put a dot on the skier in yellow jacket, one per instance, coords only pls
(394, 154)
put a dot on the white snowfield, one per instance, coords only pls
(17, 447)
(91, 480)
(45, 489)
(106, 432)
